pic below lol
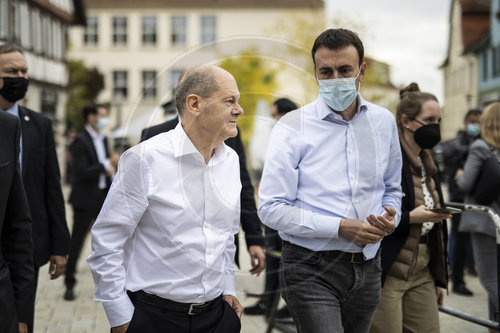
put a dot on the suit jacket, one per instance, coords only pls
(249, 219)
(42, 183)
(86, 172)
(392, 244)
(16, 251)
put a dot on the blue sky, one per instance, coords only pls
(409, 35)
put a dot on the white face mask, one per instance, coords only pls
(102, 123)
(338, 94)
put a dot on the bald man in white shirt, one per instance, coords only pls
(163, 244)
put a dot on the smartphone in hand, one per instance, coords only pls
(449, 210)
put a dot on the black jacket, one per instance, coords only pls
(393, 243)
(16, 251)
(42, 182)
(454, 154)
(249, 220)
(86, 172)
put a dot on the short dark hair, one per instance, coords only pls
(10, 47)
(472, 112)
(91, 108)
(284, 105)
(336, 39)
(199, 81)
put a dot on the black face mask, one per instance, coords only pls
(14, 88)
(427, 136)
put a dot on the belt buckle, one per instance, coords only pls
(192, 308)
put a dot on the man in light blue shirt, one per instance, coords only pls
(331, 187)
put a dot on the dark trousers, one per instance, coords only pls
(273, 243)
(460, 248)
(152, 318)
(31, 304)
(330, 291)
(82, 222)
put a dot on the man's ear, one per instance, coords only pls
(362, 71)
(193, 102)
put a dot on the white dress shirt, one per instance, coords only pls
(320, 169)
(98, 140)
(167, 226)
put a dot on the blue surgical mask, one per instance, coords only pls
(473, 130)
(338, 94)
(102, 123)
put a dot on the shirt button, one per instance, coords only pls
(356, 201)
(352, 177)
(209, 251)
(350, 150)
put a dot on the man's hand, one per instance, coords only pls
(257, 259)
(439, 296)
(386, 222)
(57, 266)
(359, 231)
(235, 304)
(120, 329)
(23, 327)
(422, 214)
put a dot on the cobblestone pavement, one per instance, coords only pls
(55, 315)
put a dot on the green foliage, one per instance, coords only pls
(83, 87)
(256, 80)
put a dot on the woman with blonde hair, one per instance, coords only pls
(480, 226)
(413, 256)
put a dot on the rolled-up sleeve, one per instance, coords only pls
(123, 208)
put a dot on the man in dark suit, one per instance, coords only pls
(16, 252)
(249, 219)
(40, 173)
(92, 172)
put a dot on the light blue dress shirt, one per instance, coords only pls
(14, 110)
(320, 169)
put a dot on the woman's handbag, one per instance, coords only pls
(487, 186)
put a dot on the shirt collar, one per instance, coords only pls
(184, 146)
(14, 110)
(93, 134)
(323, 111)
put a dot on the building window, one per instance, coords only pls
(91, 36)
(4, 18)
(496, 61)
(149, 84)
(25, 25)
(119, 30)
(149, 30)
(485, 65)
(48, 100)
(37, 32)
(120, 84)
(174, 77)
(208, 29)
(178, 30)
(46, 36)
(16, 22)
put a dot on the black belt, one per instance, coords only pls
(354, 258)
(188, 308)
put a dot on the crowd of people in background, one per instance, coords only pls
(351, 223)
